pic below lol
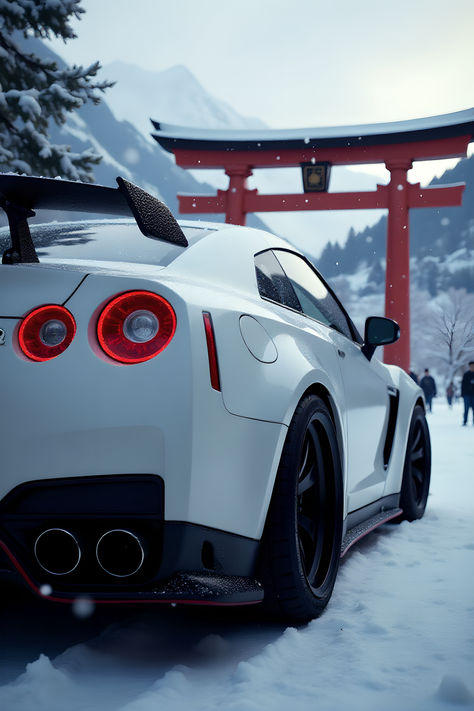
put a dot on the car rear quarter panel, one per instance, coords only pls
(234, 457)
(271, 391)
(220, 274)
(306, 353)
(306, 361)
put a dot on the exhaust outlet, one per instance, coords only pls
(120, 553)
(57, 551)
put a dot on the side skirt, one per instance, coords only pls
(361, 522)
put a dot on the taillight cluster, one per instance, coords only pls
(132, 328)
(136, 326)
(46, 332)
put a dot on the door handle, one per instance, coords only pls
(341, 353)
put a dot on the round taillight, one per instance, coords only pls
(46, 332)
(136, 326)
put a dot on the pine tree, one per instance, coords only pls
(377, 273)
(34, 91)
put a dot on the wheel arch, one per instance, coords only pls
(321, 391)
(421, 403)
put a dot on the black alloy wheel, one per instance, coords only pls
(417, 468)
(302, 538)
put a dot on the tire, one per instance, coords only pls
(417, 468)
(301, 544)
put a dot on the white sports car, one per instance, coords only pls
(188, 414)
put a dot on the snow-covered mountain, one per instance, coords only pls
(124, 149)
(173, 96)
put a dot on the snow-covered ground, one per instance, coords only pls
(398, 633)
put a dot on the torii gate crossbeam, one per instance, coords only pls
(396, 145)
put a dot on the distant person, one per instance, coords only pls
(467, 391)
(450, 393)
(413, 376)
(428, 386)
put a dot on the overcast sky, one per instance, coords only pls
(299, 63)
(296, 63)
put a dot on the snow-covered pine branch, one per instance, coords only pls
(34, 91)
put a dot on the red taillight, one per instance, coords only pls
(136, 326)
(211, 351)
(46, 332)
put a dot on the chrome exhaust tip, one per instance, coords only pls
(57, 551)
(120, 553)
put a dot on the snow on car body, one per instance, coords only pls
(164, 479)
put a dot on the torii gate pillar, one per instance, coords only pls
(397, 275)
(235, 213)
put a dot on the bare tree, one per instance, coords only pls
(421, 330)
(453, 329)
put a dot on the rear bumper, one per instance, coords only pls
(183, 562)
(188, 588)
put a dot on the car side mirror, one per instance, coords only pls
(379, 331)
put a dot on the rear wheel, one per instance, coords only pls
(417, 468)
(302, 538)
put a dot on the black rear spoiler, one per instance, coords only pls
(21, 195)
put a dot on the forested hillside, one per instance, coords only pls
(441, 244)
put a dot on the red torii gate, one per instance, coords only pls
(396, 145)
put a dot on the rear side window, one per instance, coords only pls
(314, 296)
(272, 281)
